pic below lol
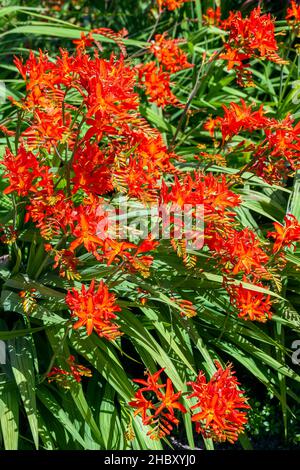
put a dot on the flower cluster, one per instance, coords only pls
(65, 378)
(70, 156)
(276, 155)
(250, 37)
(212, 16)
(285, 234)
(94, 309)
(168, 54)
(293, 14)
(170, 5)
(157, 79)
(158, 411)
(221, 405)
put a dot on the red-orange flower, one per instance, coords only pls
(85, 229)
(243, 253)
(251, 305)
(221, 405)
(168, 54)
(22, 170)
(64, 377)
(293, 13)
(84, 41)
(212, 16)
(250, 37)
(157, 85)
(94, 310)
(52, 213)
(286, 234)
(255, 34)
(77, 370)
(157, 412)
(237, 118)
(170, 4)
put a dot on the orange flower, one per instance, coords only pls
(157, 85)
(243, 251)
(52, 213)
(234, 58)
(286, 234)
(255, 34)
(222, 405)
(64, 377)
(94, 310)
(84, 41)
(212, 16)
(170, 401)
(252, 305)
(114, 250)
(188, 309)
(237, 118)
(85, 230)
(158, 411)
(151, 383)
(22, 170)
(99, 180)
(278, 152)
(170, 4)
(168, 54)
(78, 370)
(250, 37)
(293, 13)
(66, 261)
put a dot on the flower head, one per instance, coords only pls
(168, 54)
(94, 309)
(158, 411)
(285, 234)
(221, 405)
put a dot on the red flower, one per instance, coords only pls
(157, 85)
(222, 405)
(286, 234)
(22, 170)
(151, 384)
(157, 412)
(168, 54)
(251, 305)
(237, 118)
(84, 41)
(170, 4)
(250, 37)
(94, 310)
(255, 34)
(293, 13)
(78, 370)
(65, 377)
(212, 16)
(242, 250)
(98, 181)
(51, 212)
(86, 228)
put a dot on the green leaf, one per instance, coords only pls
(9, 413)
(21, 359)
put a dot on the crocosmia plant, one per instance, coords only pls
(149, 225)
